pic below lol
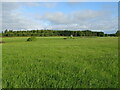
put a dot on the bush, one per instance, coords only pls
(31, 39)
(64, 38)
(2, 42)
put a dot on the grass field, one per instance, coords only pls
(58, 63)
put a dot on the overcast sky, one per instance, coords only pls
(98, 16)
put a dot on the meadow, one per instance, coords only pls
(54, 62)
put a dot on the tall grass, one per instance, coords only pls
(59, 63)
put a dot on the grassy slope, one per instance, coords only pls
(0, 64)
(55, 62)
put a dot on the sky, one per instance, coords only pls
(96, 16)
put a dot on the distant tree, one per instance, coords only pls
(118, 33)
(52, 33)
(101, 34)
(106, 35)
(6, 31)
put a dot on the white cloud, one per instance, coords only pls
(0, 16)
(93, 0)
(87, 19)
(41, 4)
(78, 20)
(13, 19)
(59, 0)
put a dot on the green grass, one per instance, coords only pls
(0, 64)
(58, 63)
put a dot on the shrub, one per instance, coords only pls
(2, 42)
(31, 39)
(64, 38)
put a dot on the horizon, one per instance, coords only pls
(60, 30)
(100, 16)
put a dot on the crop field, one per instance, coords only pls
(54, 62)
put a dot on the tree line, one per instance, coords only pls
(11, 33)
